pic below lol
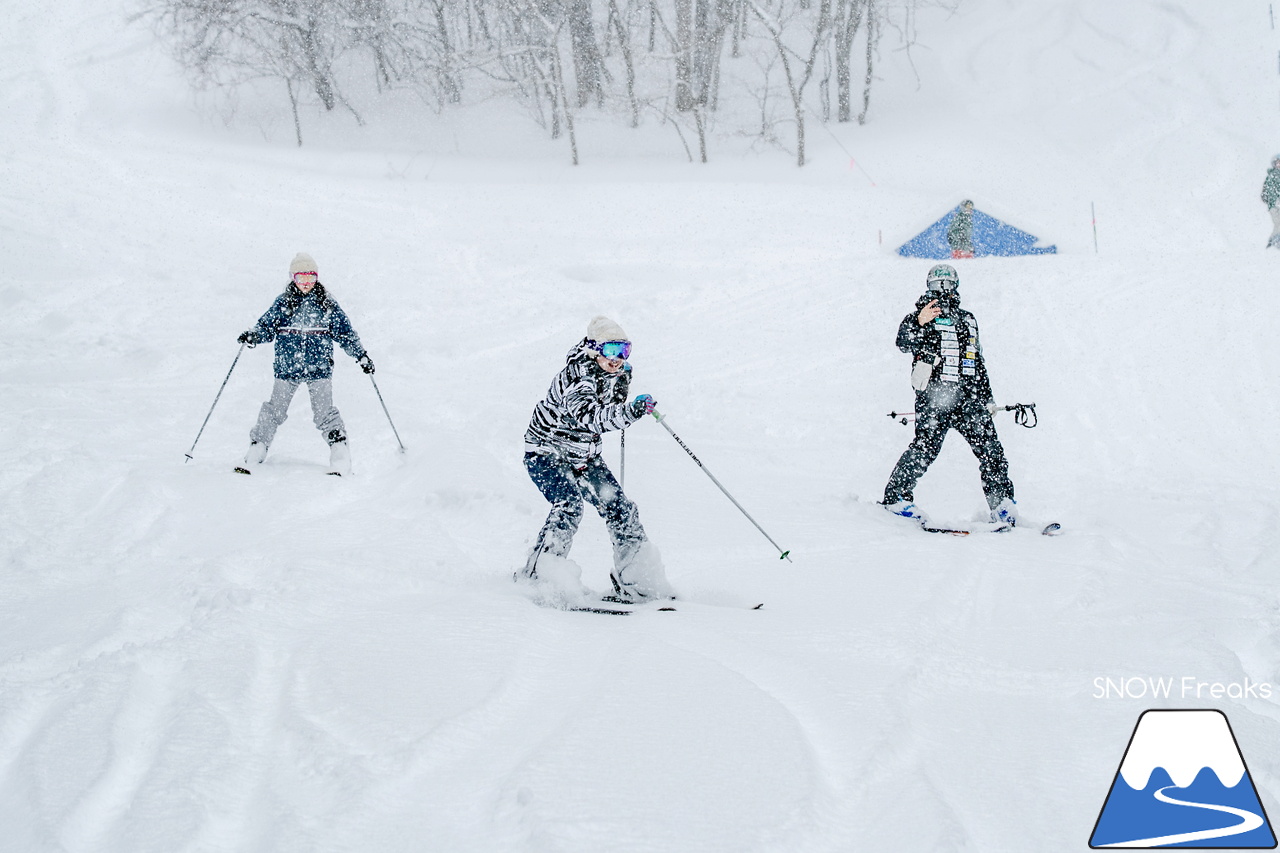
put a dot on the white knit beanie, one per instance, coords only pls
(302, 262)
(602, 329)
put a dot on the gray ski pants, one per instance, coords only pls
(276, 410)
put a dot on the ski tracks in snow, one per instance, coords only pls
(682, 742)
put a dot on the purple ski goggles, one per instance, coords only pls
(614, 349)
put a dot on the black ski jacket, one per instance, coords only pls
(925, 343)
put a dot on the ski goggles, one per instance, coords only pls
(942, 285)
(299, 275)
(614, 349)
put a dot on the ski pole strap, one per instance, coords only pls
(785, 554)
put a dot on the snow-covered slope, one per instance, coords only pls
(192, 660)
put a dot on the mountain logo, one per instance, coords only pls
(1182, 783)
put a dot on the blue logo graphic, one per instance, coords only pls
(1183, 783)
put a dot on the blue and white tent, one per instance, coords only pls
(990, 237)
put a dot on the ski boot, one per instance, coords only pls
(906, 509)
(1005, 512)
(339, 454)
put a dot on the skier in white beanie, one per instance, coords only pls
(587, 398)
(304, 321)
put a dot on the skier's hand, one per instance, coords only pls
(250, 338)
(929, 313)
(366, 363)
(643, 405)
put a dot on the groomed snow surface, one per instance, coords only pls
(192, 660)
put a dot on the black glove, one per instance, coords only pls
(250, 338)
(366, 363)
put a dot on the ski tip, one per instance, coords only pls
(334, 473)
(758, 606)
(240, 470)
(1052, 529)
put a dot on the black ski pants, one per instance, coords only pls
(566, 488)
(936, 412)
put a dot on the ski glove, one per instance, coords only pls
(250, 338)
(643, 405)
(366, 363)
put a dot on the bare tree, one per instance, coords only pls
(848, 18)
(797, 68)
(588, 65)
(700, 54)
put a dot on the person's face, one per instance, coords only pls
(609, 365)
(305, 281)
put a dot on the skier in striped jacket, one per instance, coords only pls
(562, 455)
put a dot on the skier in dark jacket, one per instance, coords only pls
(960, 231)
(1271, 198)
(304, 322)
(562, 455)
(952, 392)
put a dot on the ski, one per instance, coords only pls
(1053, 529)
(242, 470)
(617, 599)
(637, 605)
(613, 599)
(961, 531)
(948, 530)
(604, 610)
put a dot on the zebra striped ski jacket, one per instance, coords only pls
(582, 404)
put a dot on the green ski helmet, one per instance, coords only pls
(942, 279)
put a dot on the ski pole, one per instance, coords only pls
(215, 403)
(662, 420)
(622, 470)
(1024, 414)
(388, 414)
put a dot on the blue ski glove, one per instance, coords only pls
(366, 363)
(643, 405)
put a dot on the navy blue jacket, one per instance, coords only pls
(304, 327)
